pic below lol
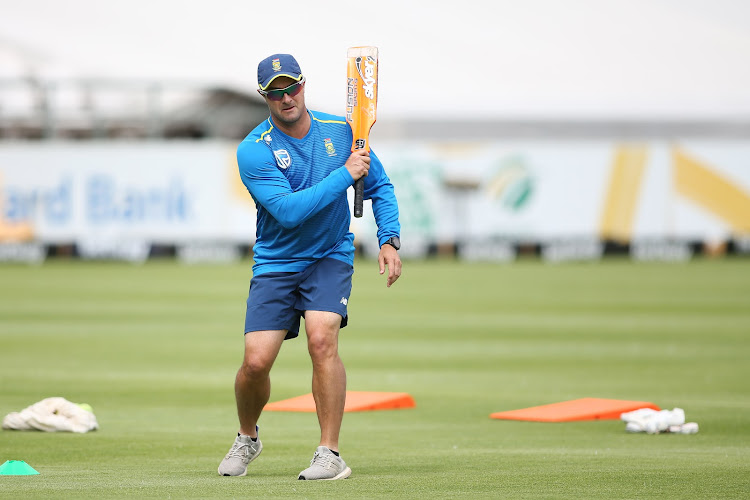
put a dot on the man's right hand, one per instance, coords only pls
(358, 164)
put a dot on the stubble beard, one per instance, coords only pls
(289, 119)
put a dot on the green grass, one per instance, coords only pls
(154, 349)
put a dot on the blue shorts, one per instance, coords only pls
(277, 301)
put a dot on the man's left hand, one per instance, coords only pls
(388, 257)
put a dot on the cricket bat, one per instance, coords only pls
(361, 104)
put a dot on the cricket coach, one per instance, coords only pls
(297, 166)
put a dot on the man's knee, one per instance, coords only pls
(322, 346)
(256, 366)
(322, 330)
(260, 352)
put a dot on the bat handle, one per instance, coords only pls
(359, 195)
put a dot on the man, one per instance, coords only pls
(297, 166)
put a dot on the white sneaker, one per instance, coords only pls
(243, 451)
(325, 465)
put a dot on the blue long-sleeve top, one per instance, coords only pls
(299, 188)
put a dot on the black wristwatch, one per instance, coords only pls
(394, 241)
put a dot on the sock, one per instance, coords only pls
(335, 453)
(254, 440)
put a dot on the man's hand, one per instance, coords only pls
(388, 257)
(358, 164)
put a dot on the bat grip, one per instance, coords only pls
(359, 195)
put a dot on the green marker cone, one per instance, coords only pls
(17, 468)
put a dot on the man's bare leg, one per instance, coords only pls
(252, 386)
(329, 374)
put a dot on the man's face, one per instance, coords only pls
(290, 108)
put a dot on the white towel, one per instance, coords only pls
(52, 415)
(653, 421)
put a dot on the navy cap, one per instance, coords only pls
(277, 65)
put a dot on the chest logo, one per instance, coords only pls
(283, 160)
(329, 147)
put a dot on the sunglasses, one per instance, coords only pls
(278, 94)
